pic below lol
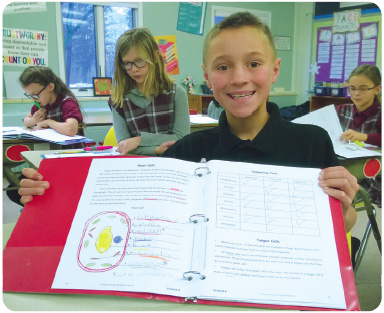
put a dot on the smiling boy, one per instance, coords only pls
(240, 64)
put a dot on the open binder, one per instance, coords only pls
(32, 254)
(49, 135)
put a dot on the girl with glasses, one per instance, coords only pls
(361, 119)
(55, 105)
(149, 111)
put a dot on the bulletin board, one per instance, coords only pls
(335, 55)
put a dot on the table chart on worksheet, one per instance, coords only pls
(265, 204)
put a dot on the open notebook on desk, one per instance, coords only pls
(48, 134)
(327, 118)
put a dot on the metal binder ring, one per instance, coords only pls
(208, 171)
(189, 275)
(194, 299)
(195, 218)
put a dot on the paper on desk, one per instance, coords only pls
(48, 134)
(200, 119)
(327, 118)
(109, 152)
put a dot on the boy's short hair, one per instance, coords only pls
(237, 20)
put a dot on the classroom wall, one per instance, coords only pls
(161, 19)
(189, 46)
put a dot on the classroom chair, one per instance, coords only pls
(110, 138)
(365, 204)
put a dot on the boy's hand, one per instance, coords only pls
(33, 185)
(337, 182)
(351, 135)
(164, 146)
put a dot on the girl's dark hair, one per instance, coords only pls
(44, 76)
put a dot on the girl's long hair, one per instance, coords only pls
(156, 81)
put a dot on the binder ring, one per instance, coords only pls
(194, 299)
(189, 275)
(208, 171)
(195, 218)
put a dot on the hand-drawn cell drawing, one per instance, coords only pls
(104, 241)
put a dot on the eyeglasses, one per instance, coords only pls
(361, 90)
(139, 64)
(36, 97)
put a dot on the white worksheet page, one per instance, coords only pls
(326, 118)
(270, 237)
(131, 231)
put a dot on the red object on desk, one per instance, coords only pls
(13, 153)
(192, 112)
(33, 252)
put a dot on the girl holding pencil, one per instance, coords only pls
(55, 106)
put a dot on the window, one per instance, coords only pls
(90, 32)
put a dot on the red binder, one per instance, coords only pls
(33, 252)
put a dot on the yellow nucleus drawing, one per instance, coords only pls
(103, 242)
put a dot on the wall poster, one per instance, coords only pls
(168, 50)
(25, 47)
(337, 54)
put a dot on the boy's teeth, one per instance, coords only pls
(242, 96)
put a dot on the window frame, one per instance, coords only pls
(100, 47)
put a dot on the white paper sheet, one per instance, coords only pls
(326, 118)
(269, 237)
(152, 252)
(64, 154)
(48, 134)
(200, 119)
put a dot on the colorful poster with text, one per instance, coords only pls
(23, 47)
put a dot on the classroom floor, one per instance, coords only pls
(368, 276)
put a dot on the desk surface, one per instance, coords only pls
(98, 120)
(33, 158)
(106, 119)
(68, 302)
(356, 165)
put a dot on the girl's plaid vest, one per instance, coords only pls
(56, 115)
(157, 117)
(346, 120)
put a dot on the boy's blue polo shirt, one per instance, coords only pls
(280, 142)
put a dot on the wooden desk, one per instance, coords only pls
(199, 102)
(318, 102)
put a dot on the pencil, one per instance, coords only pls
(37, 104)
